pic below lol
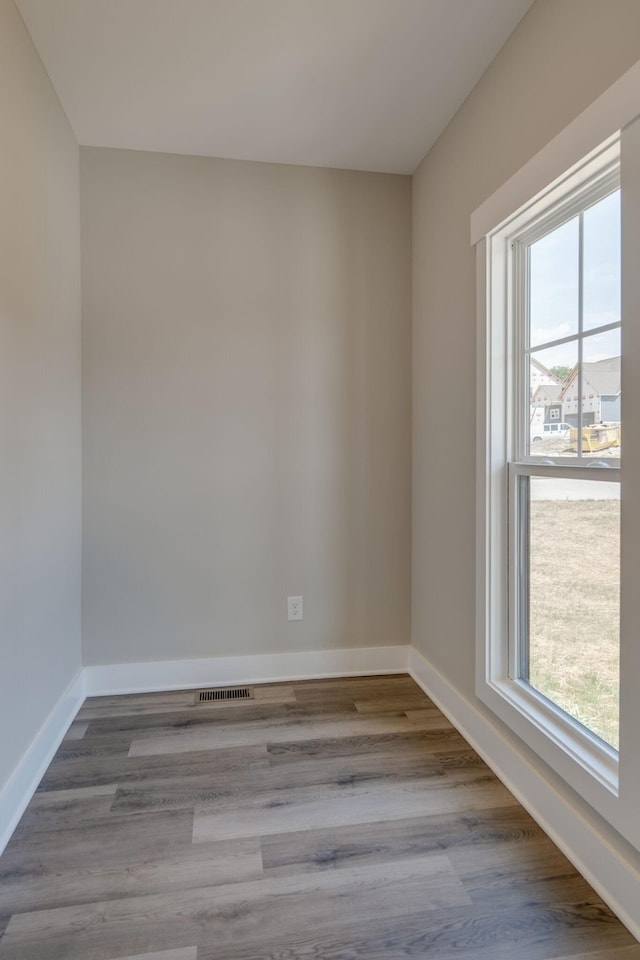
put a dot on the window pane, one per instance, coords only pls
(574, 599)
(553, 291)
(550, 373)
(601, 395)
(602, 262)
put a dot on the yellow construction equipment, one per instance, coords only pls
(599, 436)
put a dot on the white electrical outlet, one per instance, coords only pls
(294, 608)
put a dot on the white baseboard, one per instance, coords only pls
(111, 679)
(24, 780)
(599, 861)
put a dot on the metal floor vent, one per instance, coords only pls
(224, 693)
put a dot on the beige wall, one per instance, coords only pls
(560, 58)
(39, 395)
(246, 348)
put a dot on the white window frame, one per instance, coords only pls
(609, 781)
(597, 179)
(541, 723)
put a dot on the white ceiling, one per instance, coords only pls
(362, 84)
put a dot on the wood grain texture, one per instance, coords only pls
(323, 820)
(34, 885)
(530, 933)
(212, 736)
(186, 953)
(77, 730)
(332, 847)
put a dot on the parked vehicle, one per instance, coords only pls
(550, 431)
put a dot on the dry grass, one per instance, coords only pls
(574, 609)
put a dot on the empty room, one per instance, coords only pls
(318, 560)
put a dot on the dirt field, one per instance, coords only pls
(574, 609)
(563, 448)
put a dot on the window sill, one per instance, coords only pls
(568, 747)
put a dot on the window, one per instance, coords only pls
(564, 523)
(555, 622)
(558, 532)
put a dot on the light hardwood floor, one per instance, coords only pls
(325, 820)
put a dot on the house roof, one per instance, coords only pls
(551, 390)
(545, 371)
(602, 375)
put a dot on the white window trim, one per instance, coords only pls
(584, 761)
(609, 782)
(604, 118)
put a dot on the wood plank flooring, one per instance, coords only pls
(324, 820)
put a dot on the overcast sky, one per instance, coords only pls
(554, 285)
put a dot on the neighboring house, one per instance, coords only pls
(545, 389)
(540, 376)
(601, 393)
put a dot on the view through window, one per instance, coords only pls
(568, 516)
